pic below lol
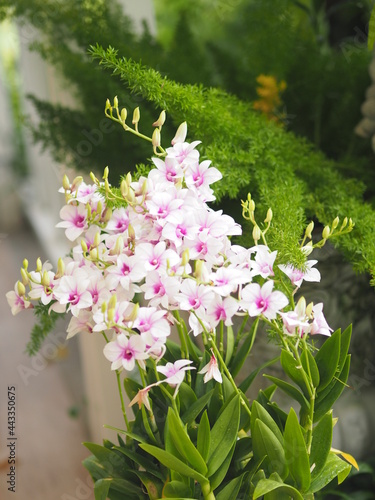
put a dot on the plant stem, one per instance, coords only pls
(122, 399)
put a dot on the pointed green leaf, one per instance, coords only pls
(292, 391)
(230, 491)
(321, 444)
(296, 453)
(187, 396)
(183, 443)
(245, 384)
(266, 444)
(310, 367)
(221, 473)
(112, 461)
(204, 437)
(258, 411)
(95, 468)
(192, 413)
(344, 347)
(333, 467)
(294, 370)
(327, 359)
(173, 462)
(265, 486)
(229, 346)
(223, 434)
(323, 405)
(371, 31)
(243, 352)
(101, 489)
(175, 489)
(142, 461)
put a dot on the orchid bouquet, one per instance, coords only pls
(153, 259)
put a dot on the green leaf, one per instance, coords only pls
(243, 352)
(187, 396)
(101, 488)
(195, 409)
(175, 489)
(321, 444)
(295, 452)
(246, 383)
(327, 359)
(183, 443)
(294, 371)
(230, 345)
(333, 467)
(204, 437)
(112, 461)
(310, 367)
(371, 30)
(258, 411)
(265, 486)
(173, 462)
(223, 435)
(218, 477)
(230, 490)
(130, 489)
(292, 391)
(344, 347)
(323, 405)
(95, 468)
(142, 461)
(153, 486)
(266, 444)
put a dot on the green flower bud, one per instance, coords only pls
(335, 223)
(124, 188)
(269, 216)
(25, 264)
(309, 230)
(21, 289)
(136, 116)
(45, 281)
(112, 302)
(256, 233)
(38, 265)
(124, 114)
(160, 121)
(326, 232)
(25, 278)
(156, 138)
(115, 102)
(66, 183)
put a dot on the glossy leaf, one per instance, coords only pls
(344, 347)
(110, 460)
(184, 444)
(292, 391)
(196, 408)
(230, 491)
(258, 411)
(333, 467)
(220, 474)
(223, 435)
(295, 452)
(204, 437)
(175, 489)
(265, 486)
(327, 359)
(126, 488)
(294, 370)
(266, 444)
(321, 444)
(142, 461)
(243, 352)
(310, 367)
(101, 489)
(323, 405)
(172, 462)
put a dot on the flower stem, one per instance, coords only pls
(122, 399)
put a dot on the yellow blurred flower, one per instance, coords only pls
(269, 91)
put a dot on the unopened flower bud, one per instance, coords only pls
(99, 207)
(107, 105)
(160, 121)
(105, 173)
(119, 246)
(156, 138)
(84, 246)
(134, 314)
(256, 233)
(112, 302)
(308, 248)
(110, 315)
(38, 265)
(251, 206)
(309, 230)
(60, 268)
(180, 134)
(185, 257)
(326, 232)
(88, 210)
(301, 307)
(124, 114)
(309, 309)
(115, 102)
(124, 188)
(21, 289)
(25, 278)
(269, 216)
(335, 223)
(77, 182)
(351, 223)
(128, 178)
(45, 281)
(94, 178)
(144, 187)
(93, 254)
(25, 264)
(107, 214)
(103, 307)
(344, 223)
(136, 116)
(131, 232)
(66, 183)
(130, 196)
(96, 239)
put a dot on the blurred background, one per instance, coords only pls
(304, 64)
